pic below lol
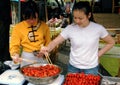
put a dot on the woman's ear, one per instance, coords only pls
(23, 16)
(36, 14)
(89, 15)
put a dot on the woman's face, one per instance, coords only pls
(81, 18)
(32, 21)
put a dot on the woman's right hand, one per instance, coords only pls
(44, 50)
(16, 58)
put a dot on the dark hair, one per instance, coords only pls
(30, 9)
(85, 7)
(62, 15)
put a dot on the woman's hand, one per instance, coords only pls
(44, 50)
(40, 54)
(16, 59)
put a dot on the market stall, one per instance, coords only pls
(13, 76)
(55, 29)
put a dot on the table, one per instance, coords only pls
(14, 77)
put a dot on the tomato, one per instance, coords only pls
(81, 79)
(40, 71)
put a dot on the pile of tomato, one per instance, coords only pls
(41, 71)
(82, 79)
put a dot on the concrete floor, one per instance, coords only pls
(63, 57)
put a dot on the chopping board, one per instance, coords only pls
(12, 77)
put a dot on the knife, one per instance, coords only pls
(27, 60)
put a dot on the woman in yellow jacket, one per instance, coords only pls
(29, 35)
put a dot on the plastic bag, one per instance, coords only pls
(3, 67)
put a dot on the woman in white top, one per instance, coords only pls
(84, 36)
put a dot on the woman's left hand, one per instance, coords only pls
(40, 54)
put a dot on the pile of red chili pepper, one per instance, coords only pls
(82, 79)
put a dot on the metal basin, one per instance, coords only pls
(38, 80)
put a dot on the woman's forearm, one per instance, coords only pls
(55, 42)
(109, 44)
(105, 49)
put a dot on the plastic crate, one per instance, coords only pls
(107, 80)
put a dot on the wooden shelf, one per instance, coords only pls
(114, 5)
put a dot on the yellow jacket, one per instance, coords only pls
(30, 40)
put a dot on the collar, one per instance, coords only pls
(34, 27)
